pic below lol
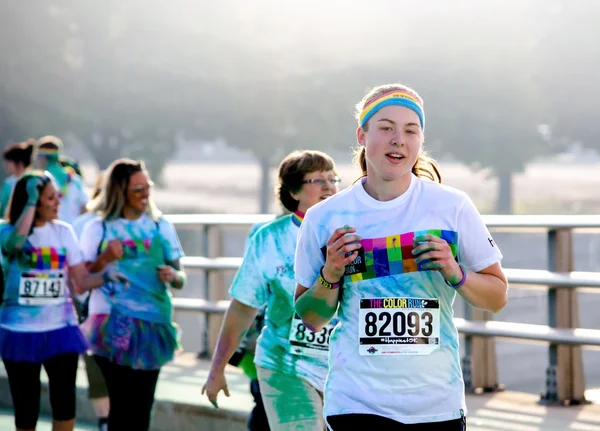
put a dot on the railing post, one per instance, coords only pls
(565, 382)
(215, 286)
(205, 351)
(479, 363)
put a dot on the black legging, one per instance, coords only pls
(25, 388)
(131, 394)
(379, 423)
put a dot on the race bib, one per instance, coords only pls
(42, 289)
(305, 342)
(399, 326)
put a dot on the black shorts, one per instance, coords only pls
(353, 421)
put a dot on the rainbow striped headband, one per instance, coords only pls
(48, 152)
(393, 98)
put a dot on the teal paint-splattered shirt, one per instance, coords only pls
(266, 277)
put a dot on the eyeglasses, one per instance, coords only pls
(321, 182)
(140, 188)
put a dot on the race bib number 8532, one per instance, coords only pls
(399, 326)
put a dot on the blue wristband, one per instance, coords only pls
(463, 279)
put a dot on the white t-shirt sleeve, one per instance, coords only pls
(90, 239)
(74, 253)
(309, 257)
(168, 231)
(476, 247)
(250, 285)
(82, 196)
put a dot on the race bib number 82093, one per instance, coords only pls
(399, 326)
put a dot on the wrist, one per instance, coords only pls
(217, 369)
(103, 262)
(457, 281)
(179, 279)
(329, 281)
(329, 276)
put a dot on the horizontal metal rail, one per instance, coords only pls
(514, 222)
(211, 264)
(200, 305)
(510, 330)
(525, 331)
(532, 277)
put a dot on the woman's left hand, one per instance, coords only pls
(166, 273)
(437, 255)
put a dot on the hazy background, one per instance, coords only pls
(212, 94)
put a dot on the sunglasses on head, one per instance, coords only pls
(142, 188)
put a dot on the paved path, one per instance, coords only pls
(180, 406)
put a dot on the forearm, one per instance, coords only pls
(89, 282)
(98, 265)
(17, 238)
(237, 321)
(317, 306)
(485, 291)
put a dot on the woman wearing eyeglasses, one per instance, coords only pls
(130, 328)
(291, 361)
(38, 324)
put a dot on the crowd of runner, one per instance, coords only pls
(341, 312)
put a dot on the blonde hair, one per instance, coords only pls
(425, 167)
(111, 200)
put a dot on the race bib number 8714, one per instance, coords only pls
(399, 326)
(42, 289)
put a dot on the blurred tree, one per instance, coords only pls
(566, 72)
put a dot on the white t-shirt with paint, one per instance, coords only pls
(36, 296)
(395, 351)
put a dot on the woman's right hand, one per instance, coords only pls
(33, 189)
(113, 251)
(215, 383)
(339, 245)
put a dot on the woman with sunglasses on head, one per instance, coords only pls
(38, 324)
(398, 247)
(291, 361)
(130, 329)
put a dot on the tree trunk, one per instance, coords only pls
(504, 202)
(266, 190)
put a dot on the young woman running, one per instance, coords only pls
(130, 328)
(38, 325)
(392, 252)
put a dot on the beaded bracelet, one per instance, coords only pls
(463, 279)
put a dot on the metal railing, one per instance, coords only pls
(564, 374)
